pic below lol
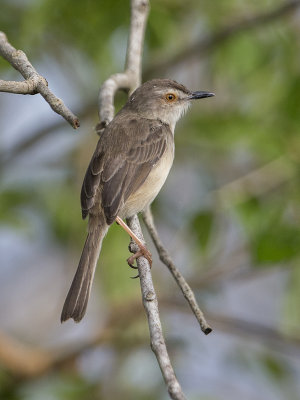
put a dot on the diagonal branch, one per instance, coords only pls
(200, 48)
(167, 260)
(34, 83)
(129, 80)
(208, 43)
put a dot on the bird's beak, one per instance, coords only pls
(200, 95)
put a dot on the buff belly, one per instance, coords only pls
(144, 196)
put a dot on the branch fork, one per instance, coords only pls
(34, 82)
(130, 80)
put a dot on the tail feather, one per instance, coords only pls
(79, 292)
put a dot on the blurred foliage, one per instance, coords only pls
(202, 225)
(65, 386)
(63, 212)
(253, 120)
(274, 237)
(12, 204)
(8, 387)
(115, 276)
(276, 368)
(291, 315)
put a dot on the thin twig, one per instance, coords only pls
(208, 43)
(130, 79)
(34, 83)
(203, 46)
(167, 260)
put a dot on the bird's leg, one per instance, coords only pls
(143, 251)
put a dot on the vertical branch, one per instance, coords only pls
(150, 303)
(130, 79)
(133, 63)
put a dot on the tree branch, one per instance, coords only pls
(130, 79)
(34, 83)
(150, 303)
(167, 260)
(208, 43)
(203, 46)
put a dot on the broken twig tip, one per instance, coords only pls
(207, 330)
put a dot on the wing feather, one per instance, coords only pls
(111, 180)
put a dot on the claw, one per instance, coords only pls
(130, 262)
(144, 252)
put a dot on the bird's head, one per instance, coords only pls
(163, 99)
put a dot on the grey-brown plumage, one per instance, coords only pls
(129, 166)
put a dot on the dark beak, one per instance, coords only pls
(200, 95)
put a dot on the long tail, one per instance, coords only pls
(78, 295)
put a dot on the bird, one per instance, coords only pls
(130, 164)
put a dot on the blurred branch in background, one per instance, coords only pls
(41, 133)
(232, 225)
(206, 44)
(26, 362)
(198, 49)
(255, 183)
(256, 332)
(34, 83)
(22, 360)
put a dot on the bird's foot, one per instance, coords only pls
(142, 252)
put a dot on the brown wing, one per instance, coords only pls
(137, 145)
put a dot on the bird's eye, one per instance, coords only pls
(170, 97)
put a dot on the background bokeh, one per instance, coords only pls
(229, 212)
